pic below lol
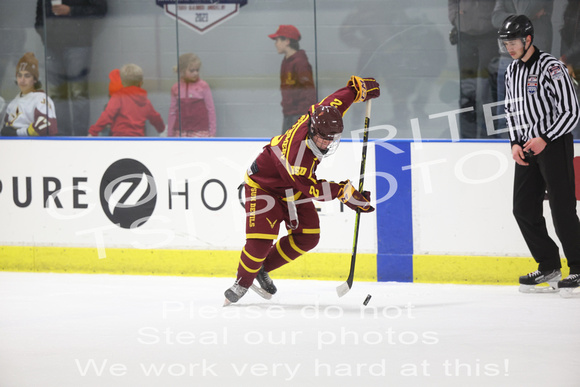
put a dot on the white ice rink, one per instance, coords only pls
(69, 330)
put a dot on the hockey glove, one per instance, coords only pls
(365, 88)
(8, 131)
(353, 199)
(32, 131)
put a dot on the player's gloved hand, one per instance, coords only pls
(32, 131)
(8, 131)
(365, 88)
(353, 199)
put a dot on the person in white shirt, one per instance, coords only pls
(32, 112)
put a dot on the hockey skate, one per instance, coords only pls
(234, 293)
(568, 284)
(266, 282)
(529, 283)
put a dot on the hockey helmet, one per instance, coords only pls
(515, 27)
(326, 123)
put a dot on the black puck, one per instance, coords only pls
(367, 300)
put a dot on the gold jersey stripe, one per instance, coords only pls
(248, 180)
(298, 249)
(307, 231)
(282, 252)
(262, 236)
(252, 257)
(247, 268)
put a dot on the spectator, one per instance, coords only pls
(31, 113)
(129, 108)
(395, 48)
(296, 81)
(571, 45)
(192, 111)
(476, 46)
(66, 31)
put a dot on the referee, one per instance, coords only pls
(541, 110)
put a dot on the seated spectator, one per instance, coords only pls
(195, 114)
(128, 108)
(31, 113)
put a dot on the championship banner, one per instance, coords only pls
(201, 15)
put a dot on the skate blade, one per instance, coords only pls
(261, 292)
(569, 293)
(538, 289)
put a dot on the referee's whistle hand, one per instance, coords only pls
(518, 155)
(535, 145)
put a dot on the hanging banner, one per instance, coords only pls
(201, 15)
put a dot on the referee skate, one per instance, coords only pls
(536, 281)
(568, 285)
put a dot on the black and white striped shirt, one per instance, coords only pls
(540, 99)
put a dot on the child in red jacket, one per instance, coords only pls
(129, 108)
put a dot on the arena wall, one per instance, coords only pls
(443, 210)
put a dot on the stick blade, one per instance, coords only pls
(342, 289)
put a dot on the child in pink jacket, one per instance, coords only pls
(195, 114)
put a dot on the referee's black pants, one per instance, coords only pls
(551, 170)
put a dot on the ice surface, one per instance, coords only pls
(106, 330)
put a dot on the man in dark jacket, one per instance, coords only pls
(66, 31)
(475, 38)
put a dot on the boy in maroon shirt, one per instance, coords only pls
(296, 82)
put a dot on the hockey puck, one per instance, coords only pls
(367, 300)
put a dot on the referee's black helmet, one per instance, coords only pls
(516, 26)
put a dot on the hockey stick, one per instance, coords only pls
(345, 287)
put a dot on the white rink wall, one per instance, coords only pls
(56, 200)
(462, 200)
(461, 195)
(444, 209)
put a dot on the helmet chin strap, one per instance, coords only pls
(526, 49)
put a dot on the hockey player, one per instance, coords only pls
(542, 110)
(281, 184)
(31, 113)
